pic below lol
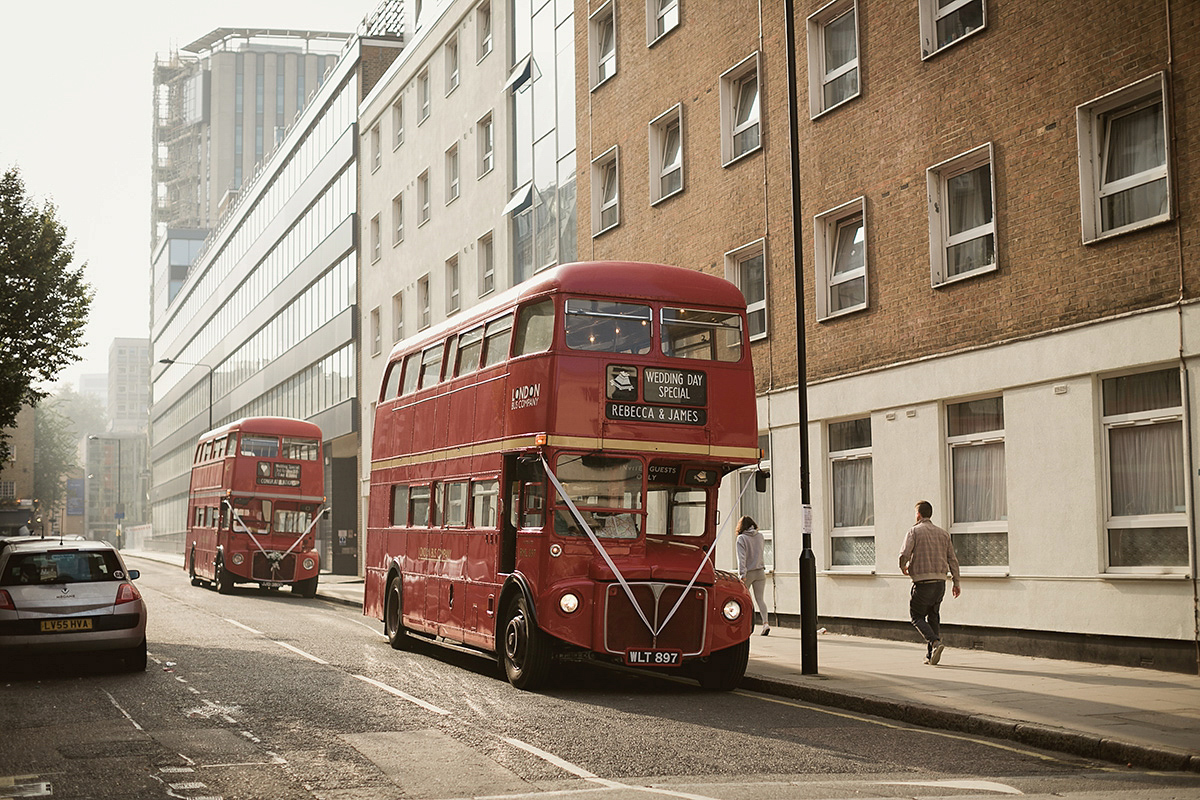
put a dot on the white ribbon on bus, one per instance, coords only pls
(236, 517)
(562, 492)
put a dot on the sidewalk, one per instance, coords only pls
(1121, 714)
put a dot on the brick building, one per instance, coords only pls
(997, 219)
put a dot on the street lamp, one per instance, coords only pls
(170, 361)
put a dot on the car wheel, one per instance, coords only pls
(134, 659)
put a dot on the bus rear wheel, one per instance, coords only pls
(306, 587)
(393, 616)
(724, 669)
(526, 655)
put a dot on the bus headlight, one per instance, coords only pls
(569, 603)
(732, 610)
(238, 558)
(309, 563)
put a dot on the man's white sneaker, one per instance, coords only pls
(936, 656)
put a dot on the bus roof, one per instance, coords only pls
(280, 426)
(636, 280)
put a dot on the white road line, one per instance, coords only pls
(403, 695)
(300, 652)
(125, 713)
(971, 786)
(240, 625)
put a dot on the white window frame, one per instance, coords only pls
(818, 76)
(827, 227)
(483, 30)
(659, 130)
(424, 313)
(376, 239)
(601, 204)
(852, 531)
(662, 17)
(486, 248)
(1092, 119)
(424, 199)
(453, 290)
(398, 121)
(731, 84)
(957, 528)
(424, 95)
(376, 332)
(397, 316)
(452, 174)
(376, 148)
(452, 64)
(930, 14)
(735, 272)
(940, 237)
(1156, 416)
(602, 65)
(398, 219)
(486, 135)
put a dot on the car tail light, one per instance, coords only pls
(6, 602)
(127, 593)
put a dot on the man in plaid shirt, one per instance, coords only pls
(927, 556)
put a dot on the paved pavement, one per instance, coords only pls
(1126, 715)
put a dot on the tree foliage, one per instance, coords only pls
(44, 300)
(57, 443)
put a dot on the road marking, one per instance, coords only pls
(243, 627)
(403, 695)
(971, 786)
(124, 713)
(300, 652)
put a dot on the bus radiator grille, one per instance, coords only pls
(261, 568)
(624, 629)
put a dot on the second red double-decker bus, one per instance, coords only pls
(257, 491)
(545, 469)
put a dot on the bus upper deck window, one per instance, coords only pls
(703, 335)
(300, 449)
(412, 372)
(261, 446)
(607, 326)
(431, 366)
(496, 339)
(535, 328)
(391, 384)
(470, 345)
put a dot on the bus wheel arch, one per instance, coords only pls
(524, 650)
(723, 670)
(393, 612)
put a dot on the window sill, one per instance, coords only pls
(844, 312)
(928, 54)
(666, 197)
(985, 572)
(742, 156)
(835, 107)
(1144, 576)
(966, 276)
(835, 572)
(1131, 228)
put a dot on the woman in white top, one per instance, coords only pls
(751, 567)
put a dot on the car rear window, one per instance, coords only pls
(61, 566)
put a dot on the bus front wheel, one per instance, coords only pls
(393, 619)
(306, 587)
(724, 669)
(224, 579)
(526, 653)
(192, 568)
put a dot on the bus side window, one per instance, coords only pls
(399, 506)
(411, 372)
(535, 328)
(391, 383)
(496, 339)
(470, 345)
(418, 506)
(431, 365)
(533, 505)
(455, 504)
(485, 497)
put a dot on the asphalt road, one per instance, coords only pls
(270, 695)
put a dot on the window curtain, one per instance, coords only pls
(980, 493)
(1147, 469)
(1135, 143)
(853, 494)
(840, 49)
(969, 206)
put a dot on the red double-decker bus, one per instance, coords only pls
(545, 468)
(257, 491)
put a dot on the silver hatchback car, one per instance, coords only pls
(59, 596)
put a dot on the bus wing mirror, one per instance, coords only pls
(760, 480)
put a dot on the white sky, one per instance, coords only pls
(76, 81)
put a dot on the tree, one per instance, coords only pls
(44, 300)
(56, 442)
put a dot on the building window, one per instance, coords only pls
(451, 64)
(666, 155)
(832, 56)
(423, 95)
(487, 265)
(740, 111)
(398, 219)
(376, 147)
(759, 505)
(397, 316)
(423, 302)
(453, 301)
(375, 237)
(662, 17)
(376, 334)
(1123, 156)
(746, 267)
(944, 22)
(452, 174)
(962, 218)
(487, 145)
(423, 197)
(978, 487)
(602, 42)
(839, 237)
(605, 192)
(1147, 525)
(483, 29)
(398, 122)
(852, 494)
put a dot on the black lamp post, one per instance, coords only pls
(169, 361)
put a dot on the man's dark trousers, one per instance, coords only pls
(924, 607)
